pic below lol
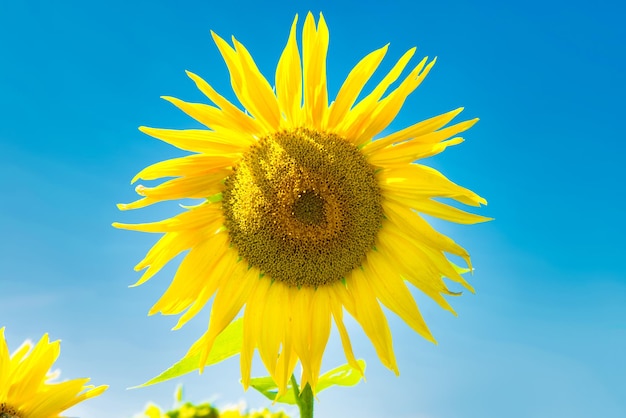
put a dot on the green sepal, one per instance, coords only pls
(344, 375)
(269, 389)
(215, 198)
(226, 345)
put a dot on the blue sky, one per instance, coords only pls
(543, 336)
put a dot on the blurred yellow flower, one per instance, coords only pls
(26, 390)
(305, 212)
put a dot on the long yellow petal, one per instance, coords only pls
(337, 312)
(288, 358)
(314, 50)
(419, 129)
(419, 272)
(32, 372)
(289, 82)
(191, 277)
(258, 89)
(420, 147)
(320, 331)
(393, 293)
(201, 140)
(370, 316)
(353, 85)
(190, 165)
(420, 181)
(229, 300)
(253, 321)
(302, 311)
(207, 217)
(388, 108)
(433, 257)
(239, 119)
(442, 211)
(165, 249)
(197, 187)
(367, 105)
(210, 116)
(212, 279)
(260, 101)
(271, 334)
(5, 360)
(405, 221)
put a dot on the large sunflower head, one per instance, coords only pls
(26, 390)
(307, 210)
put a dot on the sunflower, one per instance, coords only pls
(25, 387)
(304, 212)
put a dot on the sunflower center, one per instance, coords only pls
(303, 206)
(309, 208)
(8, 412)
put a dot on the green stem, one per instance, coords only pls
(304, 399)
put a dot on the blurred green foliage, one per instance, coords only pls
(205, 410)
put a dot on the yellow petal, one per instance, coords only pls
(4, 365)
(320, 331)
(388, 108)
(393, 293)
(412, 224)
(166, 248)
(190, 166)
(289, 81)
(196, 187)
(416, 181)
(257, 89)
(337, 311)
(207, 217)
(250, 87)
(447, 212)
(370, 316)
(253, 321)
(419, 272)
(367, 105)
(420, 147)
(430, 252)
(246, 125)
(192, 275)
(353, 85)
(301, 329)
(213, 276)
(271, 332)
(419, 129)
(210, 116)
(202, 140)
(230, 297)
(314, 50)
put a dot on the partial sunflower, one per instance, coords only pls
(26, 390)
(305, 213)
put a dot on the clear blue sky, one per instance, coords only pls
(545, 334)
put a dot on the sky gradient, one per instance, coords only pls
(543, 336)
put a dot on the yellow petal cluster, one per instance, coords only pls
(27, 389)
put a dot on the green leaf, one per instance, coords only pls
(269, 389)
(344, 375)
(226, 345)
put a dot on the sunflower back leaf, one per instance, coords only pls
(226, 345)
(344, 375)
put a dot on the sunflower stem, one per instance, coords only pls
(306, 402)
(304, 399)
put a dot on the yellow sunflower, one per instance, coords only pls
(305, 212)
(25, 387)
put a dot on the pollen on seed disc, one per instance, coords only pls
(302, 206)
